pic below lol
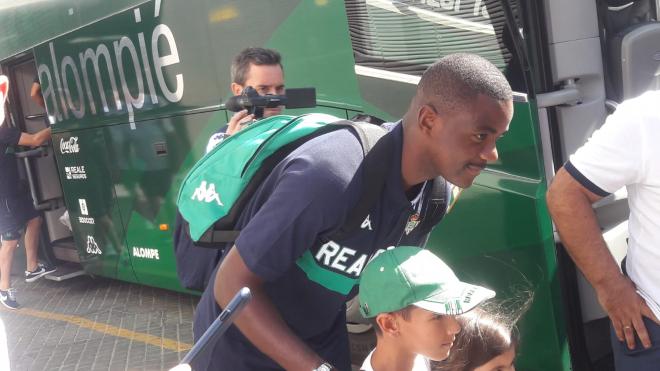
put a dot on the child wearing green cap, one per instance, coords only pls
(412, 298)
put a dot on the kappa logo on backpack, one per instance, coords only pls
(206, 193)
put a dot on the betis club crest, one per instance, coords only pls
(412, 223)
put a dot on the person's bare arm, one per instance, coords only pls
(259, 321)
(569, 204)
(35, 94)
(36, 139)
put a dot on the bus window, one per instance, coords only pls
(403, 37)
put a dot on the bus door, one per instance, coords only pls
(89, 191)
(39, 173)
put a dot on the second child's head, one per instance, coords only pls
(412, 299)
(488, 342)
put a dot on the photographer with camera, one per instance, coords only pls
(260, 69)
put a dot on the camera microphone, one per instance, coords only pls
(251, 100)
(241, 102)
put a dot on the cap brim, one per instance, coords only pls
(458, 299)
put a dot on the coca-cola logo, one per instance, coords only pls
(69, 146)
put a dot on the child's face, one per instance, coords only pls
(429, 334)
(503, 362)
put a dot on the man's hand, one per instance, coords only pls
(238, 121)
(625, 308)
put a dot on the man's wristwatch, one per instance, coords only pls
(324, 367)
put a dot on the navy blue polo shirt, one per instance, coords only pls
(286, 239)
(9, 137)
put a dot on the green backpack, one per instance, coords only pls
(218, 187)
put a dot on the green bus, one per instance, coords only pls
(133, 90)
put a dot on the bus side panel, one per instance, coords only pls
(151, 162)
(88, 185)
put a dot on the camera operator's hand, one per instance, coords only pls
(238, 121)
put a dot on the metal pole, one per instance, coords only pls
(220, 325)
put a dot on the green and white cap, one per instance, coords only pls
(408, 275)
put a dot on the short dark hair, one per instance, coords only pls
(458, 78)
(403, 313)
(257, 56)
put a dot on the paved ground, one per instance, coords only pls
(97, 324)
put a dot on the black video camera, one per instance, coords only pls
(254, 103)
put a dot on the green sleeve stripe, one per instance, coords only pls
(328, 279)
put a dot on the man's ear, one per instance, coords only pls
(236, 89)
(388, 324)
(427, 119)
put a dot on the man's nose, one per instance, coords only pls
(490, 153)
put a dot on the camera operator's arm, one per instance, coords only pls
(238, 121)
(259, 321)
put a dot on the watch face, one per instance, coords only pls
(324, 367)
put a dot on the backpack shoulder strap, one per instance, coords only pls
(435, 207)
(378, 148)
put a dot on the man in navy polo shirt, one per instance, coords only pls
(300, 280)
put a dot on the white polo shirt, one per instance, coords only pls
(625, 151)
(421, 363)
